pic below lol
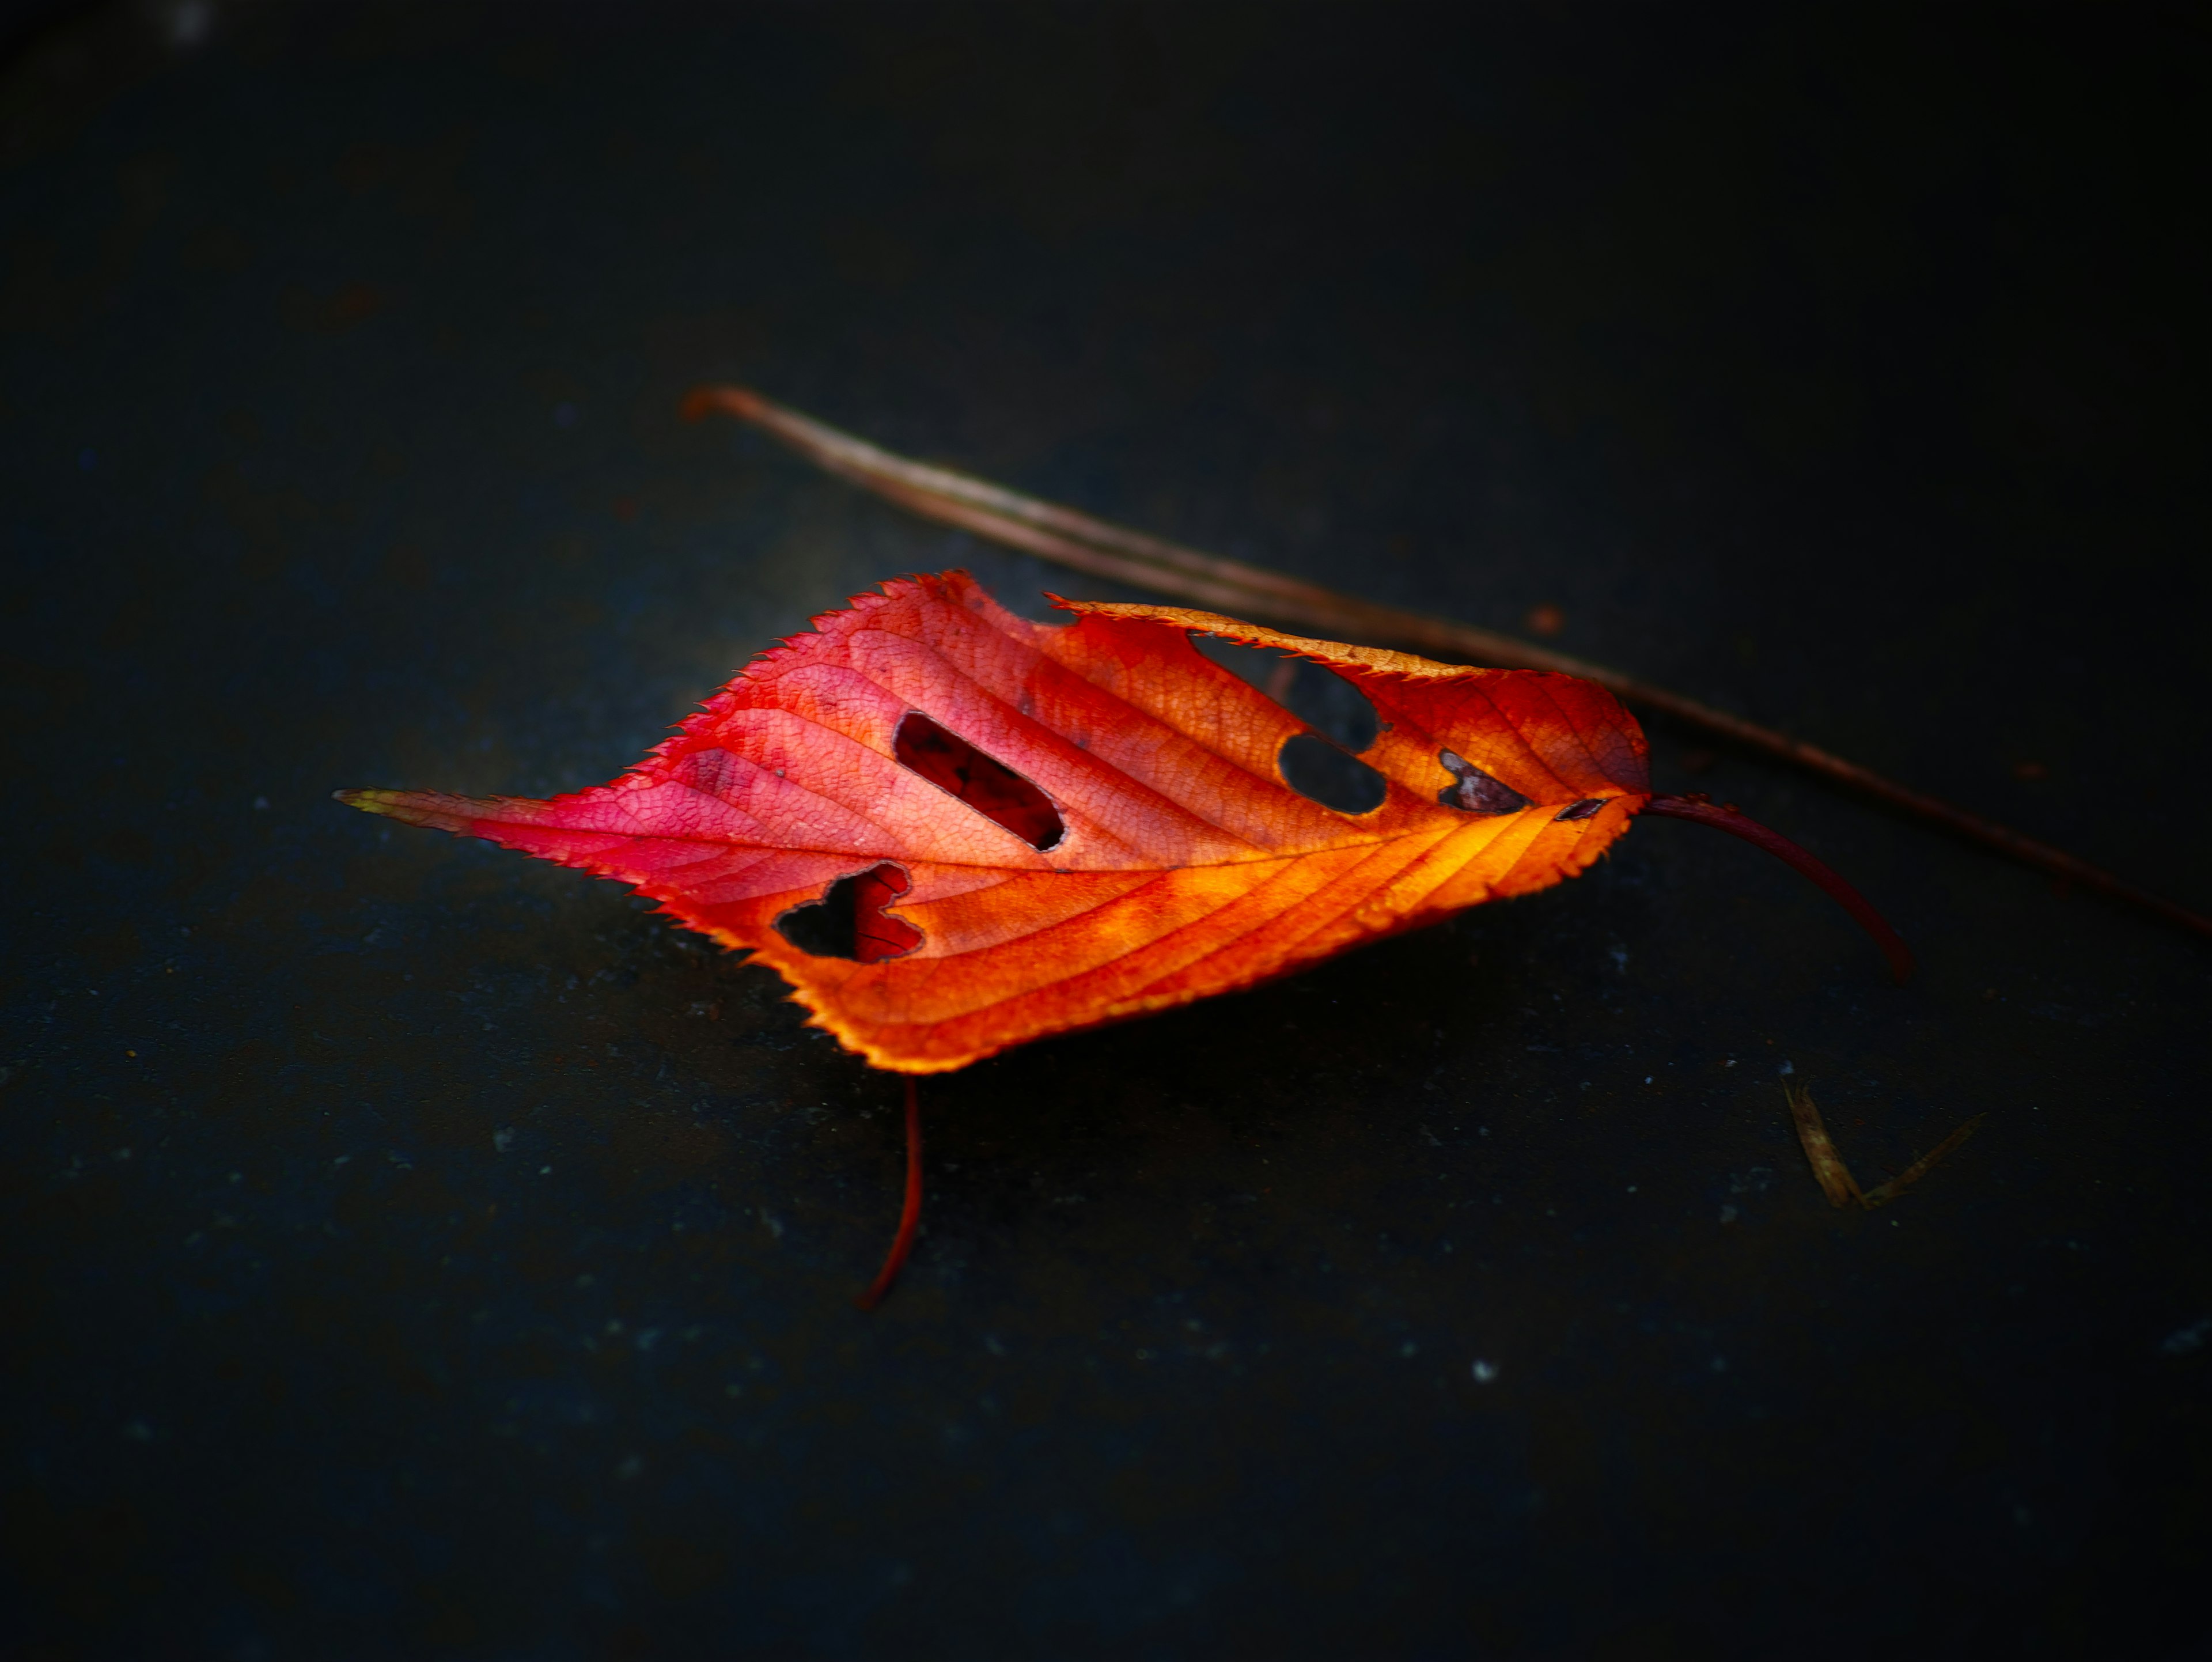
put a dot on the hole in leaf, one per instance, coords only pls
(849, 920)
(1475, 790)
(991, 787)
(1321, 773)
(1582, 810)
(1315, 694)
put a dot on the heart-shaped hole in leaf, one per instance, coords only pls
(985, 785)
(849, 921)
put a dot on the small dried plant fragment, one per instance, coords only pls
(1835, 1177)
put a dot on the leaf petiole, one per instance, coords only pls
(1727, 818)
(910, 1213)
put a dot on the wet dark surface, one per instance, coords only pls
(417, 1250)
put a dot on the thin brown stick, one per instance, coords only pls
(1102, 549)
(909, 1213)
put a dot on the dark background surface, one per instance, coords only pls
(416, 1251)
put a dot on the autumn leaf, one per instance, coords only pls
(953, 830)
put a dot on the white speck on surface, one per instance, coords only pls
(1648, 1078)
(1787, 1070)
(1484, 1373)
(502, 1139)
(545, 1170)
(1730, 1062)
(1631, 1188)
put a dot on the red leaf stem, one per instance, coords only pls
(910, 1214)
(1727, 819)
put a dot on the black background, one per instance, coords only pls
(416, 1251)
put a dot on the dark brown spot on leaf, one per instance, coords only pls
(1476, 791)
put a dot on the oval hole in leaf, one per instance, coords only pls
(990, 787)
(1321, 773)
(849, 920)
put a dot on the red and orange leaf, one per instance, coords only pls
(953, 830)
